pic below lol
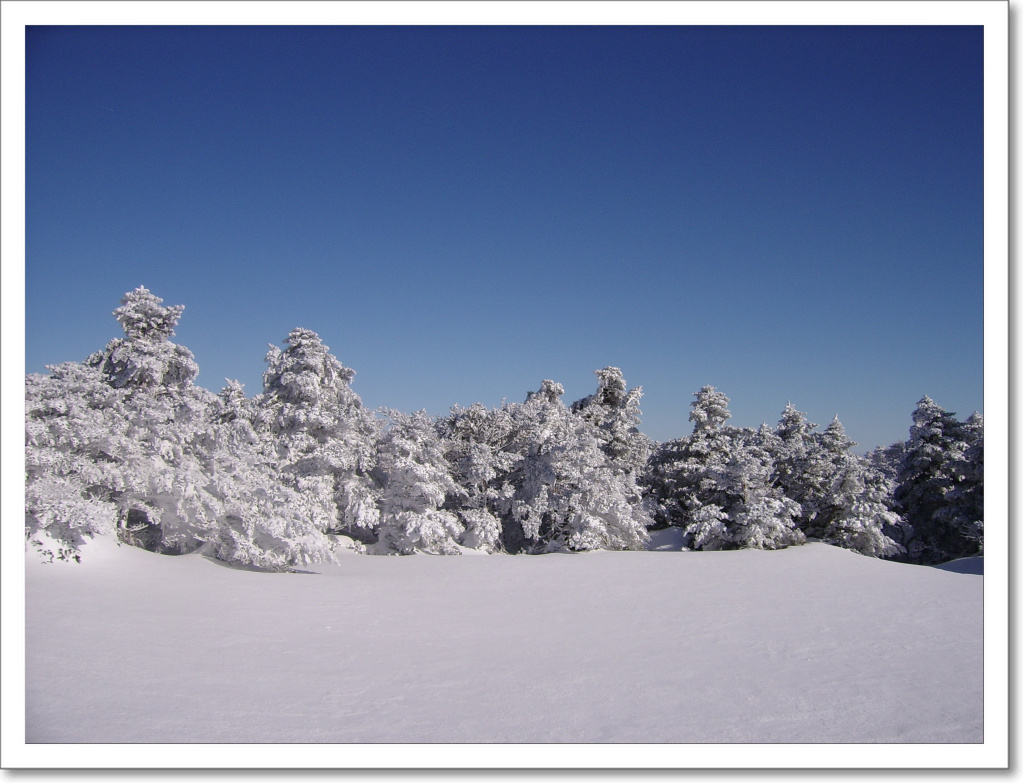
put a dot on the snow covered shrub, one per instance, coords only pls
(61, 513)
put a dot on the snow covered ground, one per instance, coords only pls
(811, 644)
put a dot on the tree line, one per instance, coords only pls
(126, 443)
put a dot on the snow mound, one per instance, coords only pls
(973, 565)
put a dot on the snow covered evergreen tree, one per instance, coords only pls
(794, 473)
(929, 475)
(718, 484)
(615, 415)
(416, 482)
(476, 443)
(964, 510)
(73, 468)
(145, 357)
(568, 492)
(120, 432)
(848, 505)
(863, 514)
(710, 410)
(687, 474)
(324, 438)
(263, 521)
(761, 516)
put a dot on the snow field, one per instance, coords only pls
(811, 644)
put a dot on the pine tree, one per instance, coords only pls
(475, 442)
(567, 492)
(964, 510)
(119, 433)
(73, 475)
(720, 483)
(761, 516)
(862, 513)
(262, 521)
(710, 410)
(793, 472)
(416, 483)
(324, 438)
(688, 474)
(615, 415)
(928, 474)
(145, 357)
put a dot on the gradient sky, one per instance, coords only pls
(786, 213)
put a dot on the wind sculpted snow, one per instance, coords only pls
(808, 644)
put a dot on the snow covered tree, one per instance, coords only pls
(845, 502)
(710, 410)
(416, 483)
(125, 443)
(718, 484)
(964, 510)
(118, 432)
(324, 438)
(862, 513)
(262, 521)
(826, 459)
(72, 469)
(615, 414)
(146, 358)
(685, 475)
(792, 470)
(929, 474)
(538, 476)
(568, 492)
(761, 516)
(168, 506)
(475, 442)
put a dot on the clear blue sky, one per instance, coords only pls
(786, 213)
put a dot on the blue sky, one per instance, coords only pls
(786, 213)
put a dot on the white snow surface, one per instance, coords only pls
(804, 645)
